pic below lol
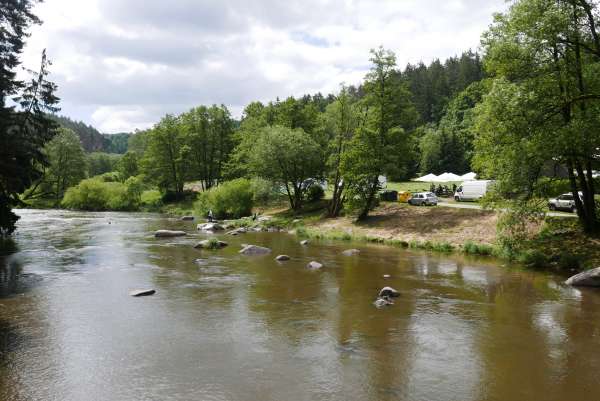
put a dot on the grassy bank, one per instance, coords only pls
(560, 244)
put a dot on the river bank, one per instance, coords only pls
(560, 245)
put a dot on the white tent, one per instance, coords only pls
(469, 176)
(447, 177)
(427, 178)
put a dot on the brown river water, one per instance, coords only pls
(223, 326)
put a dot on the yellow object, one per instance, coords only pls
(404, 197)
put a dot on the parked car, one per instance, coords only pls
(472, 190)
(564, 202)
(389, 196)
(423, 199)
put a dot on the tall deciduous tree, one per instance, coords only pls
(288, 157)
(381, 143)
(24, 129)
(166, 159)
(544, 106)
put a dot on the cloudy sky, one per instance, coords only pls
(122, 64)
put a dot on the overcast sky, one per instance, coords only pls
(123, 64)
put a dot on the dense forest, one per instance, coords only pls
(527, 106)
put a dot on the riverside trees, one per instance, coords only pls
(25, 127)
(543, 110)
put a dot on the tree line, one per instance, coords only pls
(523, 113)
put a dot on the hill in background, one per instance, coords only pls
(93, 140)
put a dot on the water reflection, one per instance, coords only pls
(224, 326)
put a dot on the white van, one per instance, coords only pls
(472, 190)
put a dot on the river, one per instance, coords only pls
(223, 326)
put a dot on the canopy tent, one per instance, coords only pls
(469, 176)
(427, 178)
(446, 177)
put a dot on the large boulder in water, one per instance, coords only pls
(211, 244)
(388, 292)
(588, 278)
(209, 227)
(169, 233)
(314, 265)
(282, 258)
(255, 250)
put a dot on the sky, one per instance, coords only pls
(121, 65)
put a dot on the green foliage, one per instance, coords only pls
(287, 157)
(232, 199)
(264, 192)
(97, 195)
(474, 248)
(117, 143)
(314, 193)
(66, 167)
(100, 163)
(128, 165)
(151, 198)
(542, 111)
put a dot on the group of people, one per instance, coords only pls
(443, 191)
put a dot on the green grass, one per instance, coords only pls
(415, 186)
(473, 248)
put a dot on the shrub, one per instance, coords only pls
(95, 194)
(477, 249)
(151, 198)
(264, 192)
(533, 258)
(232, 199)
(314, 193)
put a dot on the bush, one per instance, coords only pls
(473, 248)
(264, 192)
(533, 258)
(95, 194)
(151, 198)
(314, 193)
(232, 199)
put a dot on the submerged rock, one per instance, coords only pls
(386, 276)
(254, 250)
(304, 242)
(383, 301)
(282, 258)
(350, 252)
(169, 233)
(210, 244)
(314, 265)
(588, 278)
(187, 218)
(142, 293)
(388, 292)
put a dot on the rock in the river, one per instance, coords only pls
(314, 265)
(282, 258)
(254, 250)
(209, 227)
(388, 292)
(169, 233)
(588, 278)
(386, 276)
(187, 218)
(383, 301)
(237, 231)
(304, 242)
(211, 244)
(350, 252)
(142, 293)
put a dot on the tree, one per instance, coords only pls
(24, 128)
(544, 105)
(381, 142)
(288, 157)
(340, 122)
(100, 163)
(209, 136)
(67, 165)
(128, 165)
(166, 159)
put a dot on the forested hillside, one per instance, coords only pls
(92, 140)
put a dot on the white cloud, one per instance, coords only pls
(122, 65)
